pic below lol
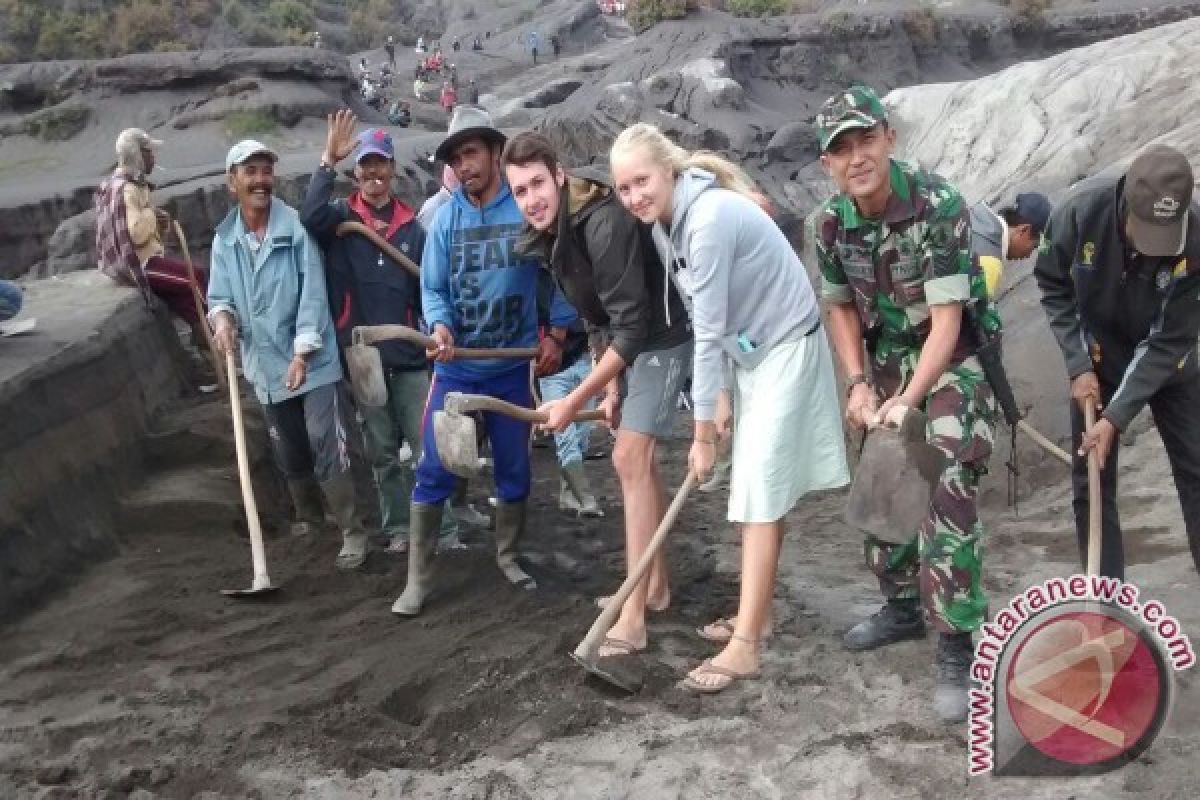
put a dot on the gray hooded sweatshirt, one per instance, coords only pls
(744, 285)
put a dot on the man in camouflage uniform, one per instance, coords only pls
(898, 276)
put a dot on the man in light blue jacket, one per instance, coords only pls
(267, 289)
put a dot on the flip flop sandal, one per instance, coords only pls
(602, 603)
(730, 676)
(724, 625)
(613, 643)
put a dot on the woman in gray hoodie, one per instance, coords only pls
(759, 348)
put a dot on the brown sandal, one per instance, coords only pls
(730, 678)
(626, 648)
(726, 625)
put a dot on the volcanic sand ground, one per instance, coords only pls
(144, 676)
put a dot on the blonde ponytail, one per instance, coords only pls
(647, 140)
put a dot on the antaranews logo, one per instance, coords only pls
(1072, 677)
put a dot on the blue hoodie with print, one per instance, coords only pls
(474, 283)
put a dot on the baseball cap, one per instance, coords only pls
(375, 142)
(241, 152)
(1034, 208)
(1157, 194)
(138, 137)
(856, 108)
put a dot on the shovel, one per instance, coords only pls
(258, 555)
(366, 368)
(585, 653)
(894, 480)
(349, 227)
(1095, 501)
(454, 427)
(195, 287)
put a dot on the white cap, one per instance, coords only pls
(241, 152)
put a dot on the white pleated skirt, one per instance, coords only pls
(787, 430)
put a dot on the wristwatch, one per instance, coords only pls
(855, 380)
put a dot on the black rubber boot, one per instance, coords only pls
(306, 500)
(339, 496)
(896, 621)
(955, 651)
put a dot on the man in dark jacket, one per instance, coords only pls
(1119, 271)
(608, 268)
(367, 288)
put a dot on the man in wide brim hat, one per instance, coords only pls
(469, 122)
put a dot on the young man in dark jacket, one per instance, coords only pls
(608, 268)
(367, 288)
(1119, 271)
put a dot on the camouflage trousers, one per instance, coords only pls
(942, 564)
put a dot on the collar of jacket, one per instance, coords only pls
(401, 214)
(283, 227)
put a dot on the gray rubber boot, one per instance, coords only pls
(567, 501)
(510, 525)
(339, 495)
(306, 500)
(896, 621)
(581, 490)
(955, 651)
(424, 521)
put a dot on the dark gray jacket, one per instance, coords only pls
(1131, 318)
(608, 268)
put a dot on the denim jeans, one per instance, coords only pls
(10, 300)
(572, 443)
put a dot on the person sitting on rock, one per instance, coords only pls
(1011, 234)
(920, 351)
(367, 288)
(449, 97)
(11, 299)
(1119, 273)
(756, 320)
(476, 292)
(268, 296)
(130, 231)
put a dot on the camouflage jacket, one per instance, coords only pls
(917, 254)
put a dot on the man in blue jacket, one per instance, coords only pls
(477, 292)
(367, 288)
(267, 288)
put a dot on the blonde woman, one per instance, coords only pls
(754, 310)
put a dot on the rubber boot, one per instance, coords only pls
(896, 621)
(339, 494)
(510, 525)
(955, 651)
(424, 521)
(306, 500)
(581, 490)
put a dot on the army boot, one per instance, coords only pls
(306, 499)
(424, 521)
(510, 525)
(580, 491)
(339, 496)
(955, 651)
(896, 621)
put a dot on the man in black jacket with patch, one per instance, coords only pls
(608, 268)
(367, 288)
(1119, 271)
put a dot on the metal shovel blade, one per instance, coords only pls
(457, 449)
(366, 375)
(893, 485)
